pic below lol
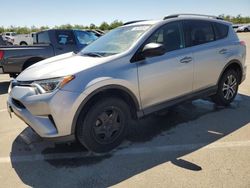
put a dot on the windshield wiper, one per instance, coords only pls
(93, 54)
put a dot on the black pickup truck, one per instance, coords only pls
(14, 59)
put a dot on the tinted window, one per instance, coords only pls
(220, 30)
(168, 35)
(198, 32)
(43, 38)
(64, 37)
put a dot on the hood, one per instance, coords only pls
(58, 66)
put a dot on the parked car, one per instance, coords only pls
(235, 27)
(130, 72)
(96, 32)
(47, 44)
(2, 42)
(9, 37)
(243, 28)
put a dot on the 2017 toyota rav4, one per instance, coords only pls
(134, 70)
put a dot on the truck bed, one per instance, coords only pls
(16, 56)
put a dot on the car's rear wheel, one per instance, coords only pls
(23, 44)
(104, 126)
(227, 88)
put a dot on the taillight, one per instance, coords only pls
(242, 43)
(1, 54)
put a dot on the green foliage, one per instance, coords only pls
(115, 24)
(236, 19)
(104, 25)
(2, 29)
(24, 30)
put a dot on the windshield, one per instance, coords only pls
(114, 42)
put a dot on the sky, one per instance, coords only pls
(84, 12)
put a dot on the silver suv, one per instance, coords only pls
(134, 70)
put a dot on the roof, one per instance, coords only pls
(178, 17)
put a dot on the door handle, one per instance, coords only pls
(186, 60)
(223, 51)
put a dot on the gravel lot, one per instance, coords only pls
(194, 145)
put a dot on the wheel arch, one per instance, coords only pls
(31, 61)
(105, 91)
(235, 65)
(23, 42)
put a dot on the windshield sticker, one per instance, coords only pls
(139, 28)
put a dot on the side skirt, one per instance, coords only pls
(189, 97)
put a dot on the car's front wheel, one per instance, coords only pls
(104, 126)
(227, 88)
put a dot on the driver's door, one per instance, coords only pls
(168, 76)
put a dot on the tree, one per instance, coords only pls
(104, 26)
(2, 29)
(235, 19)
(92, 26)
(115, 24)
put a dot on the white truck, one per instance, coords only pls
(18, 39)
(23, 39)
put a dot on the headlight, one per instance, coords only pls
(50, 85)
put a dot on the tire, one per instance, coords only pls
(23, 44)
(227, 88)
(13, 75)
(98, 130)
(26, 65)
(246, 30)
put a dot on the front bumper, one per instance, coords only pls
(49, 115)
(244, 73)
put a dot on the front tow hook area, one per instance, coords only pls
(10, 110)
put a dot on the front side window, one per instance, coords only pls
(116, 41)
(168, 35)
(198, 32)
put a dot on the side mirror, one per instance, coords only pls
(153, 49)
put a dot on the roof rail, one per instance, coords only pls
(135, 21)
(198, 15)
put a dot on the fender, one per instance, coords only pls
(227, 65)
(103, 88)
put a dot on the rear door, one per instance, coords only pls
(65, 41)
(169, 76)
(209, 53)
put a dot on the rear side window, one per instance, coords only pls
(64, 37)
(220, 30)
(43, 38)
(198, 32)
